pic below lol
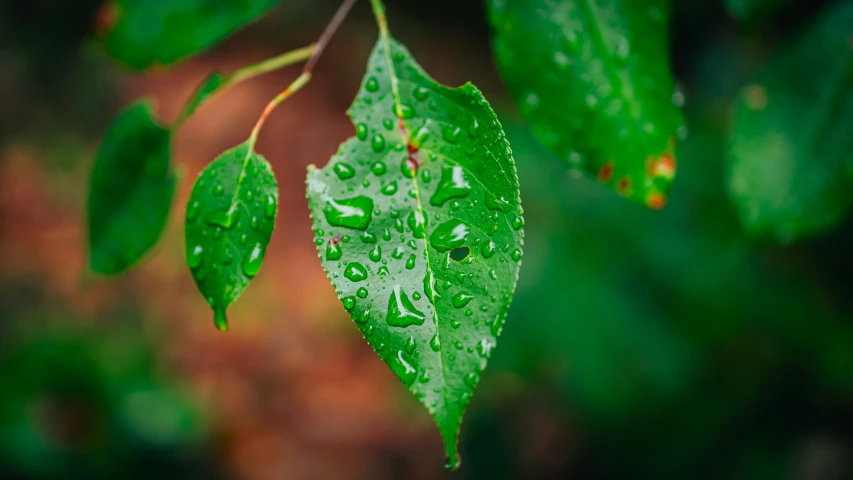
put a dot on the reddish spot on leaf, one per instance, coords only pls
(661, 167)
(605, 173)
(624, 186)
(413, 161)
(655, 201)
(106, 18)
(336, 239)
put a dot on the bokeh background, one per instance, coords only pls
(640, 344)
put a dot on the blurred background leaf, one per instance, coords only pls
(130, 190)
(790, 146)
(594, 83)
(146, 33)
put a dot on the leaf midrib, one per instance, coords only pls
(395, 92)
(593, 25)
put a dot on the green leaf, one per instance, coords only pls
(159, 32)
(593, 81)
(130, 190)
(211, 84)
(418, 225)
(790, 144)
(230, 218)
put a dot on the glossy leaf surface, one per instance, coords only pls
(146, 33)
(130, 191)
(418, 224)
(230, 218)
(790, 148)
(594, 83)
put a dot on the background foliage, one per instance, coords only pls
(640, 344)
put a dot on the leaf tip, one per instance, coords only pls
(220, 320)
(452, 463)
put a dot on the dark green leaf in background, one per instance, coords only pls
(130, 191)
(418, 225)
(593, 80)
(230, 218)
(746, 10)
(791, 145)
(147, 33)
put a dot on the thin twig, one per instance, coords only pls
(305, 76)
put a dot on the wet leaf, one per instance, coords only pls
(790, 146)
(130, 190)
(146, 33)
(418, 225)
(230, 218)
(594, 83)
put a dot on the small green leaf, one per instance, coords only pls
(206, 89)
(130, 191)
(159, 32)
(790, 145)
(594, 83)
(230, 218)
(418, 225)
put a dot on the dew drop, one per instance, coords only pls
(401, 311)
(488, 249)
(484, 347)
(349, 302)
(333, 250)
(454, 183)
(410, 262)
(378, 168)
(343, 170)
(449, 235)
(270, 205)
(418, 223)
(377, 142)
(225, 218)
(355, 272)
(195, 257)
(350, 212)
(371, 85)
(472, 379)
(375, 254)
(461, 299)
(516, 254)
(253, 259)
(389, 188)
(361, 131)
(192, 210)
(435, 343)
(403, 366)
(362, 292)
(420, 93)
(450, 133)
